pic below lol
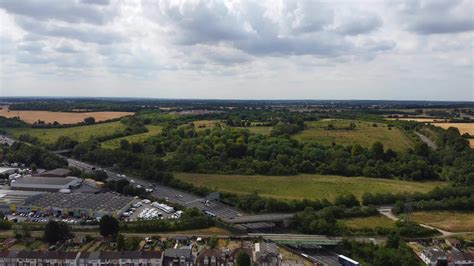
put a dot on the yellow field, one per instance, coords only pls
(61, 117)
(463, 127)
(115, 143)
(81, 133)
(369, 222)
(304, 186)
(421, 120)
(364, 134)
(445, 220)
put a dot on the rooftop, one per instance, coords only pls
(60, 172)
(17, 197)
(101, 201)
(38, 182)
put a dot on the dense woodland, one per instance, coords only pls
(230, 148)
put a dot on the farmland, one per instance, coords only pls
(80, 133)
(364, 134)
(420, 120)
(304, 186)
(445, 220)
(115, 143)
(61, 117)
(369, 222)
(463, 127)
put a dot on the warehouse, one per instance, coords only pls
(14, 200)
(80, 204)
(49, 184)
(7, 170)
(58, 172)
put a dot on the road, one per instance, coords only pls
(428, 141)
(188, 200)
(166, 193)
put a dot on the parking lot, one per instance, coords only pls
(146, 210)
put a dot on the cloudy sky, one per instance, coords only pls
(295, 49)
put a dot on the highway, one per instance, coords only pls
(173, 195)
(186, 199)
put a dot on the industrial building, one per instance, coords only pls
(7, 170)
(49, 184)
(58, 172)
(80, 204)
(14, 200)
(84, 205)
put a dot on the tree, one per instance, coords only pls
(89, 120)
(213, 241)
(393, 240)
(108, 226)
(378, 150)
(120, 242)
(242, 259)
(56, 231)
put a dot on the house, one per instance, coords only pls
(453, 242)
(434, 256)
(211, 257)
(459, 258)
(178, 257)
(266, 254)
(232, 258)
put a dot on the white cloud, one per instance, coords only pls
(238, 49)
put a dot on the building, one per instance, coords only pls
(14, 200)
(434, 256)
(459, 258)
(50, 184)
(178, 257)
(59, 258)
(232, 258)
(7, 170)
(211, 257)
(58, 172)
(80, 204)
(62, 258)
(266, 254)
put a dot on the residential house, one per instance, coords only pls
(178, 257)
(434, 256)
(266, 254)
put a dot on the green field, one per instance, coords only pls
(115, 143)
(304, 186)
(364, 134)
(369, 222)
(446, 220)
(81, 133)
(258, 130)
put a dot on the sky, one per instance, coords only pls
(262, 49)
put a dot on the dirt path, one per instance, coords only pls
(428, 141)
(387, 211)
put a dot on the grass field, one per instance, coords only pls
(115, 143)
(364, 134)
(205, 124)
(369, 222)
(304, 186)
(445, 220)
(62, 117)
(259, 130)
(81, 133)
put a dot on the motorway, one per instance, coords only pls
(166, 193)
(185, 199)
